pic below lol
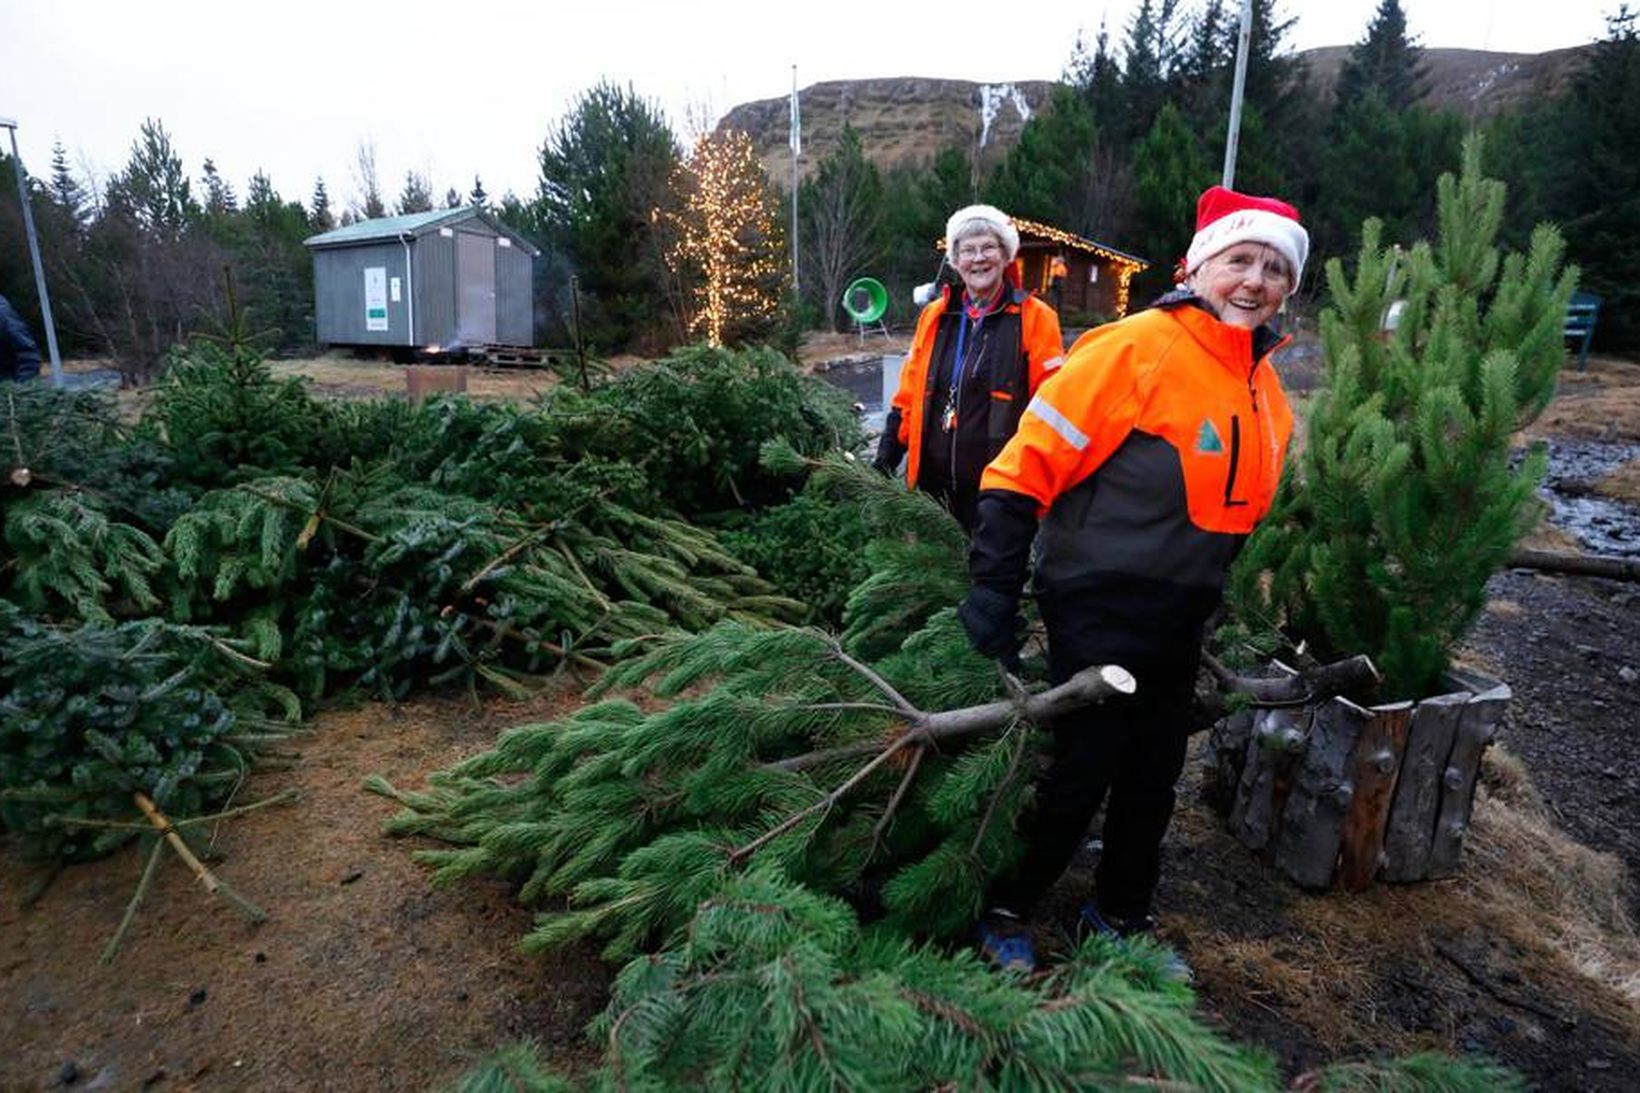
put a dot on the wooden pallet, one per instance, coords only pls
(506, 354)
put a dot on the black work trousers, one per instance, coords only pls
(1125, 753)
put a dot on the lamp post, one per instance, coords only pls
(797, 150)
(34, 253)
(1243, 42)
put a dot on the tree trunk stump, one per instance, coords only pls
(1337, 794)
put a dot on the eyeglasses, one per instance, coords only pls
(1242, 263)
(970, 251)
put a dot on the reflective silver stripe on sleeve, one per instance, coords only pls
(1049, 366)
(1059, 423)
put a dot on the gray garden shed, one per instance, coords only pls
(432, 282)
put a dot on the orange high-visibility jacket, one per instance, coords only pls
(1150, 456)
(1015, 376)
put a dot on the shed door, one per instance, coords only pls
(475, 288)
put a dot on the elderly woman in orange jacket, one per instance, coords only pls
(975, 362)
(1138, 471)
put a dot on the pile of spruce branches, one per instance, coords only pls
(177, 592)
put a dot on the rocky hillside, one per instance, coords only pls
(1473, 82)
(907, 120)
(902, 121)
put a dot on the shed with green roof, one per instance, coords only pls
(432, 282)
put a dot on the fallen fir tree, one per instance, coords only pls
(636, 817)
(729, 844)
(773, 986)
(776, 987)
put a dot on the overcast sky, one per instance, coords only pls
(449, 90)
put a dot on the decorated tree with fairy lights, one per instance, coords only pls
(728, 249)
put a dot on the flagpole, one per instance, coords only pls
(797, 150)
(1233, 137)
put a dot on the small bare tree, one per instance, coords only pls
(839, 209)
(367, 182)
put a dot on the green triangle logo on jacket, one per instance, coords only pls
(1208, 439)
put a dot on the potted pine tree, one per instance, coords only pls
(1405, 497)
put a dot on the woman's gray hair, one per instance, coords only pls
(968, 222)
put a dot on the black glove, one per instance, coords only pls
(889, 449)
(993, 623)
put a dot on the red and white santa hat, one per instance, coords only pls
(1225, 218)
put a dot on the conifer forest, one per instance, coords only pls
(625, 736)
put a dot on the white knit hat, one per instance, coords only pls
(995, 220)
(1225, 218)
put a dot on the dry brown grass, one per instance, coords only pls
(1601, 403)
(1564, 904)
(1527, 898)
(1548, 537)
(1623, 484)
(340, 376)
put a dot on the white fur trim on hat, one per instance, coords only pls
(1225, 218)
(995, 220)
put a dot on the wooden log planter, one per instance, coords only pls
(1337, 794)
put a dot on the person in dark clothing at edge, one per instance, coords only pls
(1139, 469)
(974, 364)
(19, 355)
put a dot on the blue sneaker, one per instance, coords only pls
(1005, 943)
(1091, 921)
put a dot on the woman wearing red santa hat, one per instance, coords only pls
(974, 364)
(1138, 469)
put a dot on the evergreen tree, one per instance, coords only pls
(219, 196)
(63, 214)
(1281, 122)
(1043, 174)
(417, 195)
(1150, 57)
(1096, 75)
(261, 199)
(839, 211)
(1404, 498)
(144, 271)
(478, 195)
(1170, 170)
(1205, 69)
(728, 241)
(452, 198)
(275, 271)
(1386, 61)
(66, 190)
(1102, 202)
(320, 218)
(154, 188)
(1592, 174)
(947, 186)
(605, 170)
(146, 707)
(1381, 163)
(1374, 121)
(915, 205)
